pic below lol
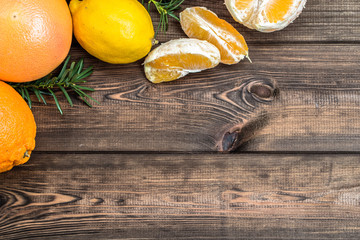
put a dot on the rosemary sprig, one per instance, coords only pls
(165, 8)
(68, 79)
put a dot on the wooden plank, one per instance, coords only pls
(319, 101)
(321, 20)
(311, 120)
(213, 196)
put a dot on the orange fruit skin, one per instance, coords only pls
(35, 37)
(17, 129)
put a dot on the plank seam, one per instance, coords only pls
(200, 152)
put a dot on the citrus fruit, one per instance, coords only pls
(265, 15)
(113, 31)
(177, 58)
(201, 23)
(35, 38)
(17, 129)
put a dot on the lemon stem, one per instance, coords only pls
(154, 42)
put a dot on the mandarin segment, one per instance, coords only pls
(277, 11)
(177, 58)
(242, 9)
(265, 15)
(203, 24)
(17, 129)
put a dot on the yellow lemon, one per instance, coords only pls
(114, 31)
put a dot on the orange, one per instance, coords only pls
(35, 38)
(177, 58)
(201, 23)
(265, 15)
(17, 129)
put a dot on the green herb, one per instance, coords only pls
(68, 79)
(165, 8)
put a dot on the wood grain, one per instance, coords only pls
(300, 94)
(320, 21)
(311, 120)
(318, 101)
(207, 196)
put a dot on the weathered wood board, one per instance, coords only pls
(321, 21)
(318, 101)
(141, 164)
(314, 61)
(207, 196)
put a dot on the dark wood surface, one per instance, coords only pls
(317, 105)
(184, 196)
(146, 162)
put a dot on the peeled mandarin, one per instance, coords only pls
(265, 15)
(177, 58)
(203, 24)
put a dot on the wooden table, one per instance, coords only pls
(148, 162)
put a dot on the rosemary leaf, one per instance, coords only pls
(82, 97)
(42, 97)
(85, 74)
(82, 93)
(73, 70)
(36, 91)
(64, 67)
(22, 93)
(81, 66)
(67, 80)
(85, 88)
(27, 97)
(56, 101)
(165, 8)
(174, 16)
(66, 95)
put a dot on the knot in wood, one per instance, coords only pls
(263, 91)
